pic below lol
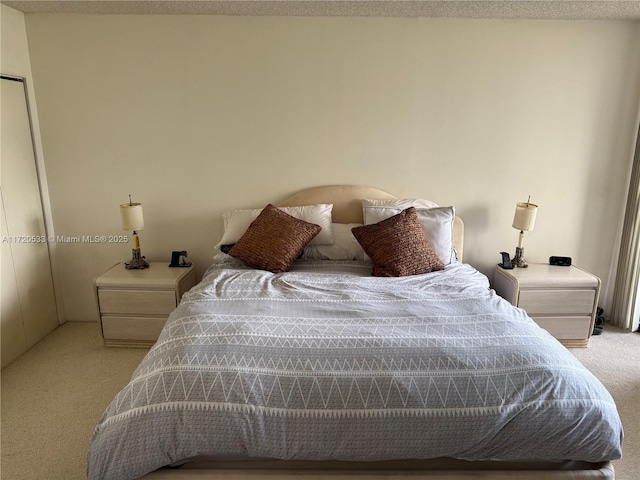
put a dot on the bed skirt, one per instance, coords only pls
(435, 469)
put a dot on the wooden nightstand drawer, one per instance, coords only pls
(557, 302)
(145, 329)
(150, 302)
(566, 328)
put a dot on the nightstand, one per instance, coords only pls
(562, 300)
(134, 304)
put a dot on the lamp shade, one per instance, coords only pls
(525, 216)
(131, 214)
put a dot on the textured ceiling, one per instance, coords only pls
(545, 9)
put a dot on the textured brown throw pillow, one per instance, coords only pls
(273, 240)
(398, 246)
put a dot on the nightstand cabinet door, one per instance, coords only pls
(562, 300)
(134, 305)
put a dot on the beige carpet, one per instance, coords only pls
(53, 396)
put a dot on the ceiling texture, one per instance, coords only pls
(498, 9)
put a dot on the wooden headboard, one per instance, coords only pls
(347, 205)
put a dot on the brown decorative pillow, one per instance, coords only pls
(273, 240)
(398, 246)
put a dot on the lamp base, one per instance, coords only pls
(518, 260)
(137, 261)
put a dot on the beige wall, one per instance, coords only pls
(197, 115)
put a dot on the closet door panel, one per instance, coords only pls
(24, 216)
(12, 336)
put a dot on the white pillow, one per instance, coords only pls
(236, 222)
(346, 247)
(401, 203)
(437, 224)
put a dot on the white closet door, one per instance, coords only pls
(14, 342)
(23, 251)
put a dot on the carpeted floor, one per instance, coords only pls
(53, 396)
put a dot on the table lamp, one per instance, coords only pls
(132, 220)
(523, 220)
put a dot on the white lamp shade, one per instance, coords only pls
(131, 214)
(525, 216)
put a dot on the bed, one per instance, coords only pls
(327, 371)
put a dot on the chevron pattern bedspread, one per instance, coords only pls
(327, 362)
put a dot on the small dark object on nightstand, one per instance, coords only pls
(560, 261)
(506, 261)
(177, 259)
